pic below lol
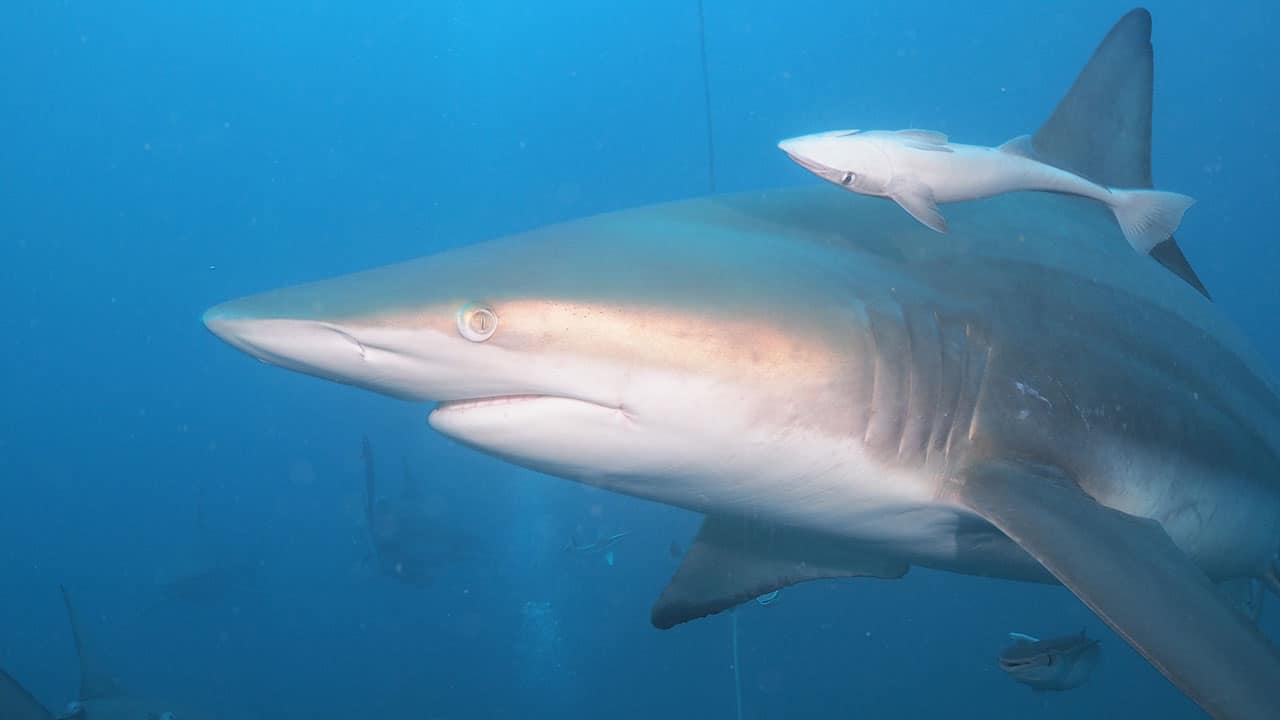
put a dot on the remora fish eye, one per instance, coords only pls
(477, 322)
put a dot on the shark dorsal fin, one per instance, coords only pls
(1101, 129)
(94, 683)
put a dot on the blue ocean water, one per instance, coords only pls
(158, 158)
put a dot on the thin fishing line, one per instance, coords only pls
(706, 98)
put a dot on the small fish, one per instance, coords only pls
(602, 547)
(768, 598)
(1060, 663)
(919, 169)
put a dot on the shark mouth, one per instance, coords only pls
(500, 401)
(807, 164)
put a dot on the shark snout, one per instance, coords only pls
(306, 345)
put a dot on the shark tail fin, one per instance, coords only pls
(94, 683)
(1148, 217)
(1101, 129)
(17, 703)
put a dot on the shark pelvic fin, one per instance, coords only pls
(1138, 581)
(94, 682)
(1101, 129)
(733, 561)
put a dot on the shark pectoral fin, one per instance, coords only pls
(925, 137)
(1020, 146)
(733, 561)
(917, 198)
(1131, 574)
(16, 703)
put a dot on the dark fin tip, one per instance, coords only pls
(1101, 128)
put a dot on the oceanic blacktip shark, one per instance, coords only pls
(101, 697)
(844, 392)
(1060, 663)
(919, 169)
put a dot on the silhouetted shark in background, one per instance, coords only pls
(408, 543)
(843, 392)
(100, 698)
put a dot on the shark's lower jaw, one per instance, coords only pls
(501, 402)
(576, 439)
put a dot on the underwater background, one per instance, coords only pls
(207, 513)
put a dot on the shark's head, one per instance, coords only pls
(604, 349)
(851, 159)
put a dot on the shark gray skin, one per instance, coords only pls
(1060, 663)
(100, 697)
(843, 392)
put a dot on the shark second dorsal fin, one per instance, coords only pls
(733, 561)
(94, 683)
(1101, 129)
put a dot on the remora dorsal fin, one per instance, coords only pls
(734, 560)
(94, 683)
(1101, 129)
(16, 703)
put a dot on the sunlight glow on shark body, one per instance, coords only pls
(845, 393)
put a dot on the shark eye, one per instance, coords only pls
(847, 179)
(477, 322)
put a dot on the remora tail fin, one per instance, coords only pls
(1148, 217)
(1101, 128)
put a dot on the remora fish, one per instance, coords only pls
(602, 547)
(100, 697)
(1059, 663)
(845, 393)
(919, 169)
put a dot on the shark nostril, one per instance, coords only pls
(360, 348)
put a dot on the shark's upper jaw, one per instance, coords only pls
(417, 364)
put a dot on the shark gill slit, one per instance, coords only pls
(951, 357)
(924, 370)
(889, 402)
